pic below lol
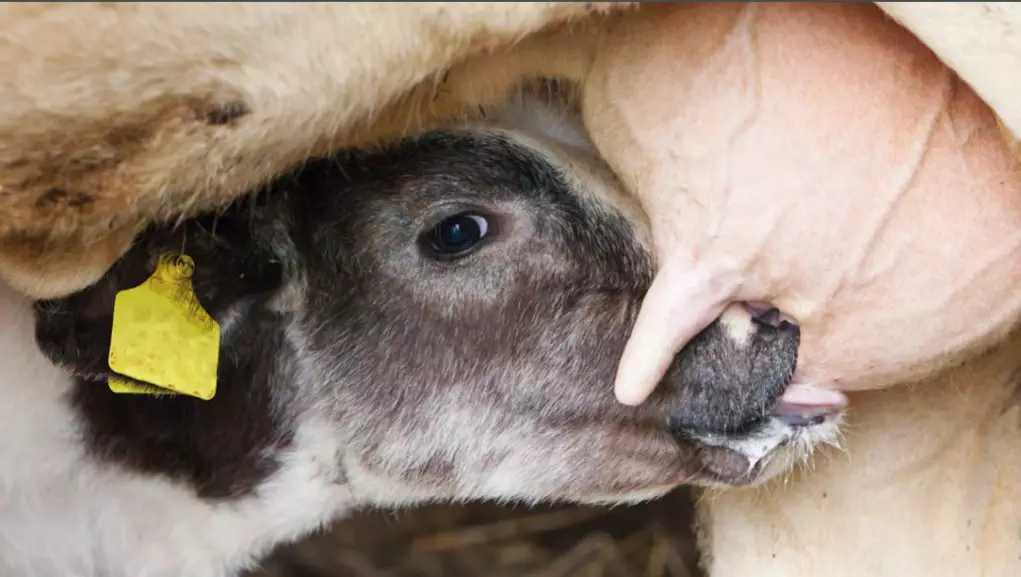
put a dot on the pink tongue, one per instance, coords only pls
(808, 400)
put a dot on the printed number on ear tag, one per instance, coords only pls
(162, 336)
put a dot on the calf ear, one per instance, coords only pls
(233, 275)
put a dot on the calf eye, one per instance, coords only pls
(457, 235)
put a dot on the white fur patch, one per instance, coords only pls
(738, 322)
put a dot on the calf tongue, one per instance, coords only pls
(807, 404)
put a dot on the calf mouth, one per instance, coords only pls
(771, 447)
(792, 419)
(803, 418)
(799, 404)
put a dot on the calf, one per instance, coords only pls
(437, 320)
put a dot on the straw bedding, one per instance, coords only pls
(486, 540)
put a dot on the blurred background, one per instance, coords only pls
(486, 540)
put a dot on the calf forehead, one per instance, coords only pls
(469, 166)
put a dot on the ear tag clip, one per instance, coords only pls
(162, 336)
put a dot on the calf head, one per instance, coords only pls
(454, 306)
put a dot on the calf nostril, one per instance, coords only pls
(770, 316)
(766, 314)
(786, 325)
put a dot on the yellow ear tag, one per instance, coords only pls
(162, 335)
